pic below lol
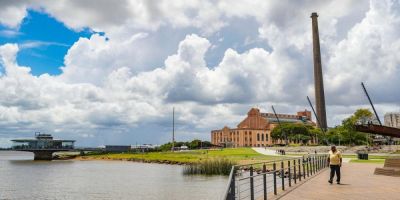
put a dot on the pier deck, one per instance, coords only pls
(358, 182)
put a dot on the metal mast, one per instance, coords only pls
(173, 128)
(372, 105)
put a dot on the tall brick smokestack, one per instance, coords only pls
(318, 78)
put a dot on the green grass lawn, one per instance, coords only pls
(374, 161)
(238, 155)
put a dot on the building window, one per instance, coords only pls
(266, 137)
(258, 137)
(262, 137)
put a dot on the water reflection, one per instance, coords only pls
(22, 178)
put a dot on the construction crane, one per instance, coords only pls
(374, 128)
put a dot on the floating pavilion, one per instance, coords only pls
(43, 146)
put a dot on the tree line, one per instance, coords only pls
(194, 144)
(344, 134)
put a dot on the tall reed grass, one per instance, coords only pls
(220, 166)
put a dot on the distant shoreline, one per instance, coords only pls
(237, 155)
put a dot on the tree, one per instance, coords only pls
(346, 132)
(294, 131)
(194, 144)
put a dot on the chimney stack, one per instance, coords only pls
(318, 78)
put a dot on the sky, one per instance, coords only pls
(103, 72)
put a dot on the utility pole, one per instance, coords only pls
(173, 128)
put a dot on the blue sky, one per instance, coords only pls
(123, 71)
(44, 42)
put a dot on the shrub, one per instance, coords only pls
(210, 167)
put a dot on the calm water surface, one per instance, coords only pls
(23, 178)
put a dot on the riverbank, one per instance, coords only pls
(237, 155)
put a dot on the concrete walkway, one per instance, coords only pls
(358, 182)
(265, 151)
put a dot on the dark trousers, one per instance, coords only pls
(335, 169)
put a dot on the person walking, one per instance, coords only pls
(335, 162)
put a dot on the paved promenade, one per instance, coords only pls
(358, 182)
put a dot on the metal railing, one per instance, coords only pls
(34, 147)
(261, 180)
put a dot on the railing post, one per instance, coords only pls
(251, 183)
(319, 163)
(290, 176)
(314, 166)
(274, 168)
(326, 161)
(322, 162)
(265, 181)
(294, 171)
(299, 169)
(233, 185)
(308, 166)
(282, 176)
(304, 169)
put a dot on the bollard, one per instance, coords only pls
(265, 181)
(282, 176)
(274, 168)
(251, 183)
(290, 176)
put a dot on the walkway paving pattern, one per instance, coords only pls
(358, 183)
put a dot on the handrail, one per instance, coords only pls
(269, 161)
(277, 160)
(231, 174)
(314, 163)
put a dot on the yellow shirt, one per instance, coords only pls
(335, 157)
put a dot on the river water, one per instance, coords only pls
(23, 178)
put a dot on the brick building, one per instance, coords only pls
(255, 129)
